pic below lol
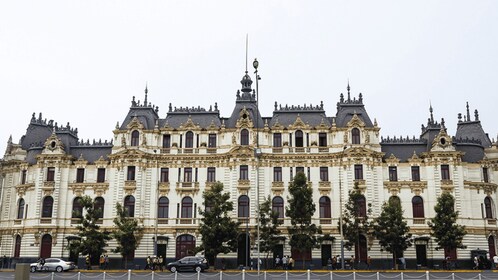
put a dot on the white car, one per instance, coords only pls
(52, 264)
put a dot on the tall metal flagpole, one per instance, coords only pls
(255, 64)
(340, 206)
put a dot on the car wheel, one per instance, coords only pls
(33, 269)
(173, 269)
(198, 269)
(59, 269)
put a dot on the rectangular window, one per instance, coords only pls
(196, 174)
(131, 173)
(80, 175)
(101, 175)
(393, 173)
(445, 172)
(299, 169)
(322, 139)
(291, 174)
(244, 172)
(308, 172)
(166, 141)
(277, 139)
(187, 174)
(324, 174)
(485, 175)
(23, 176)
(307, 139)
(50, 174)
(212, 140)
(290, 139)
(358, 172)
(277, 174)
(415, 173)
(164, 174)
(211, 176)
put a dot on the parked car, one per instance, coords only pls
(52, 264)
(188, 263)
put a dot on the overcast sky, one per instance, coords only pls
(82, 61)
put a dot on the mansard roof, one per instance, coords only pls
(309, 114)
(347, 108)
(198, 116)
(146, 113)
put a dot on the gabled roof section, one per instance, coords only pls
(470, 131)
(245, 101)
(310, 115)
(146, 113)
(197, 116)
(347, 108)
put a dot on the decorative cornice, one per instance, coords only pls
(488, 188)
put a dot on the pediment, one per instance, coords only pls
(277, 125)
(242, 151)
(299, 124)
(189, 125)
(392, 160)
(442, 142)
(244, 119)
(355, 122)
(322, 125)
(80, 162)
(53, 145)
(135, 124)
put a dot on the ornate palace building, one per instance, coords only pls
(159, 166)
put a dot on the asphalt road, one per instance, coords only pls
(273, 275)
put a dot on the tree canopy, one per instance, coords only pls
(128, 233)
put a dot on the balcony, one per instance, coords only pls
(324, 187)
(325, 221)
(323, 149)
(419, 221)
(185, 188)
(162, 221)
(45, 220)
(277, 187)
(277, 150)
(211, 150)
(165, 150)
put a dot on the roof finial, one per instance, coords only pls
(468, 112)
(476, 114)
(430, 110)
(146, 91)
(247, 43)
(349, 96)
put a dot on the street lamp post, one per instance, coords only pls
(255, 64)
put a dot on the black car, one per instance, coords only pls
(188, 263)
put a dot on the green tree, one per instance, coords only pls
(92, 239)
(128, 233)
(300, 210)
(219, 232)
(392, 230)
(444, 228)
(356, 219)
(268, 228)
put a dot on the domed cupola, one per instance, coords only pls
(246, 83)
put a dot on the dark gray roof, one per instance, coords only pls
(91, 153)
(473, 152)
(309, 114)
(203, 119)
(146, 115)
(347, 108)
(472, 130)
(402, 151)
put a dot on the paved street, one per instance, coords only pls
(281, 275)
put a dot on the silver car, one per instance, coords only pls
(52, 264)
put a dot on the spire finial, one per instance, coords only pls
(468, 112)
(348, 88)
(146, 91)
(430, 110)
(476, 115)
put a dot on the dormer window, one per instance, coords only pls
(355, 135)
(244, 137)
(134, 138)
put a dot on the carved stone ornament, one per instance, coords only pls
(322, 125)
(81, 162)
(212, 126)
(277, 126)
(244, 120)
(355, 122)
(487, 188)
(442, 142)
(22, 189)
(189, 125)
(299, 124)
(392, 160)
(135, 124)
(277, 188)
(101, 162)
(53, 145)
(415, 159)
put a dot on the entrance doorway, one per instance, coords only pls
(185, 246)
(421, 250)
(244, 250)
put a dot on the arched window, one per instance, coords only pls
(299, 138)
(488, 206)
(163, 207)
(46, 246)
(98, 204)
(135, 135)
(189, 139)
(325, 209)
(47, 206)
(129, 205)
(278, 206)
(17, 247)
(77, 208)
(244, 137)
(20, 209)
(243, 206)
(395, 200)
(418, 207)
(187, 208)
(361, 206)
(355, 135)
